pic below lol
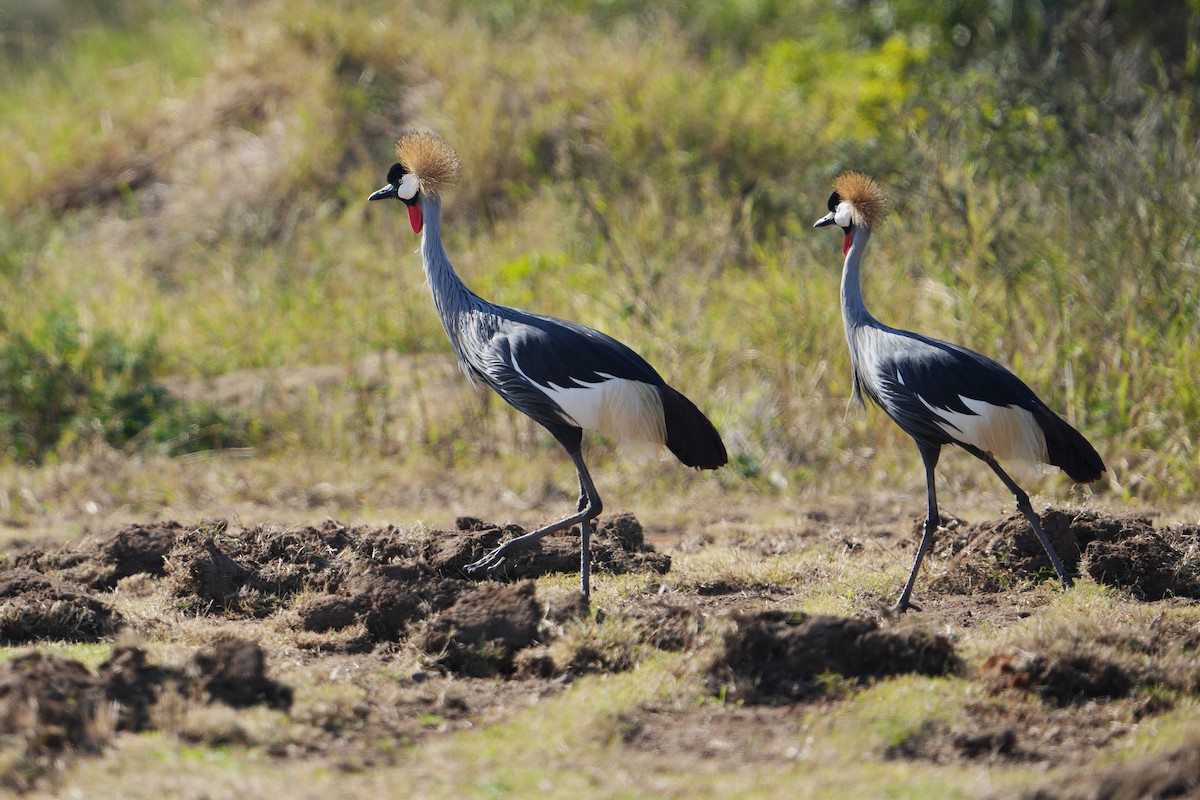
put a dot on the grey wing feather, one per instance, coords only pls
(514, 352)
(913, 370)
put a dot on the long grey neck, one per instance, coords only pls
(854, 310)
(453, 300)
(450, 294)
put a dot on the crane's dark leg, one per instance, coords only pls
(929, 455)
(587, 509)
(589, 501)
(1024, 506)
(585, 542)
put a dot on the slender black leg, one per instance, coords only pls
(585, 560)
(589, 499)
(1026, 508)
(589, 507)
(929, 455)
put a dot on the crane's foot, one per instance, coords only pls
(905, 605)
(493, 559)
(488, 562)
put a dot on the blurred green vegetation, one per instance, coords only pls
(61, 387)
(182, 186)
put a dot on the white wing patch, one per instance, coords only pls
(627, 410)
(1003, 431)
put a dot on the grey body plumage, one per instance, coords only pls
(567, 377)
(941, 393)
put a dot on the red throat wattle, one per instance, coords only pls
(846, 244)
(417, 221)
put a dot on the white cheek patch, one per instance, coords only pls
(842, 215)
(407, 188)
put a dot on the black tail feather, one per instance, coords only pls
(690, 436)
(1068, 450)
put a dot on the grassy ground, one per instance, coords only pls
(630, 702)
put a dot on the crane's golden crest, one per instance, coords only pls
(864, 194)
(427, 156)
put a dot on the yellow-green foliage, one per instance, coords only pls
(197, 172)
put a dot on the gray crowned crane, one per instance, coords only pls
(940, 393)
(567, 377)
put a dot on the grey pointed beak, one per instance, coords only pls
(821, 223)
(385, 192)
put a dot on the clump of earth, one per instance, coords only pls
(774, 656)
(1128, 553)
(56, 704)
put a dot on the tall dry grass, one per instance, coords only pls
(200, 177)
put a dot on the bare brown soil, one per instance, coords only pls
(998, 733)
(38, 606)
(773, 656)
(1128, 553)
(56, 705)
(490, 645)
(1175, 774)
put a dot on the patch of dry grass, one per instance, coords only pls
(667, 210)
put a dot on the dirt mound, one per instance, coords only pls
(255, 571)
(1078, 662)
(384, 578)
(1161, 775)
(55, 704)
(200, 571)
(346, 588)
(99, 562)
(1060, 679)
(1150, 565)
(54, 701)
(484, 629)
(775, 656)
(50, 702)
(234, 672)
(1126, 552)
(35, 606)
(390, 599)
(353, 587)
(954, 533)
(384, 602)
(668, 625)
(618, 546)
(999, 554)
(1026, 733)
(132, 686)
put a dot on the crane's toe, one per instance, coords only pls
(488, 562)
(904, 605)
